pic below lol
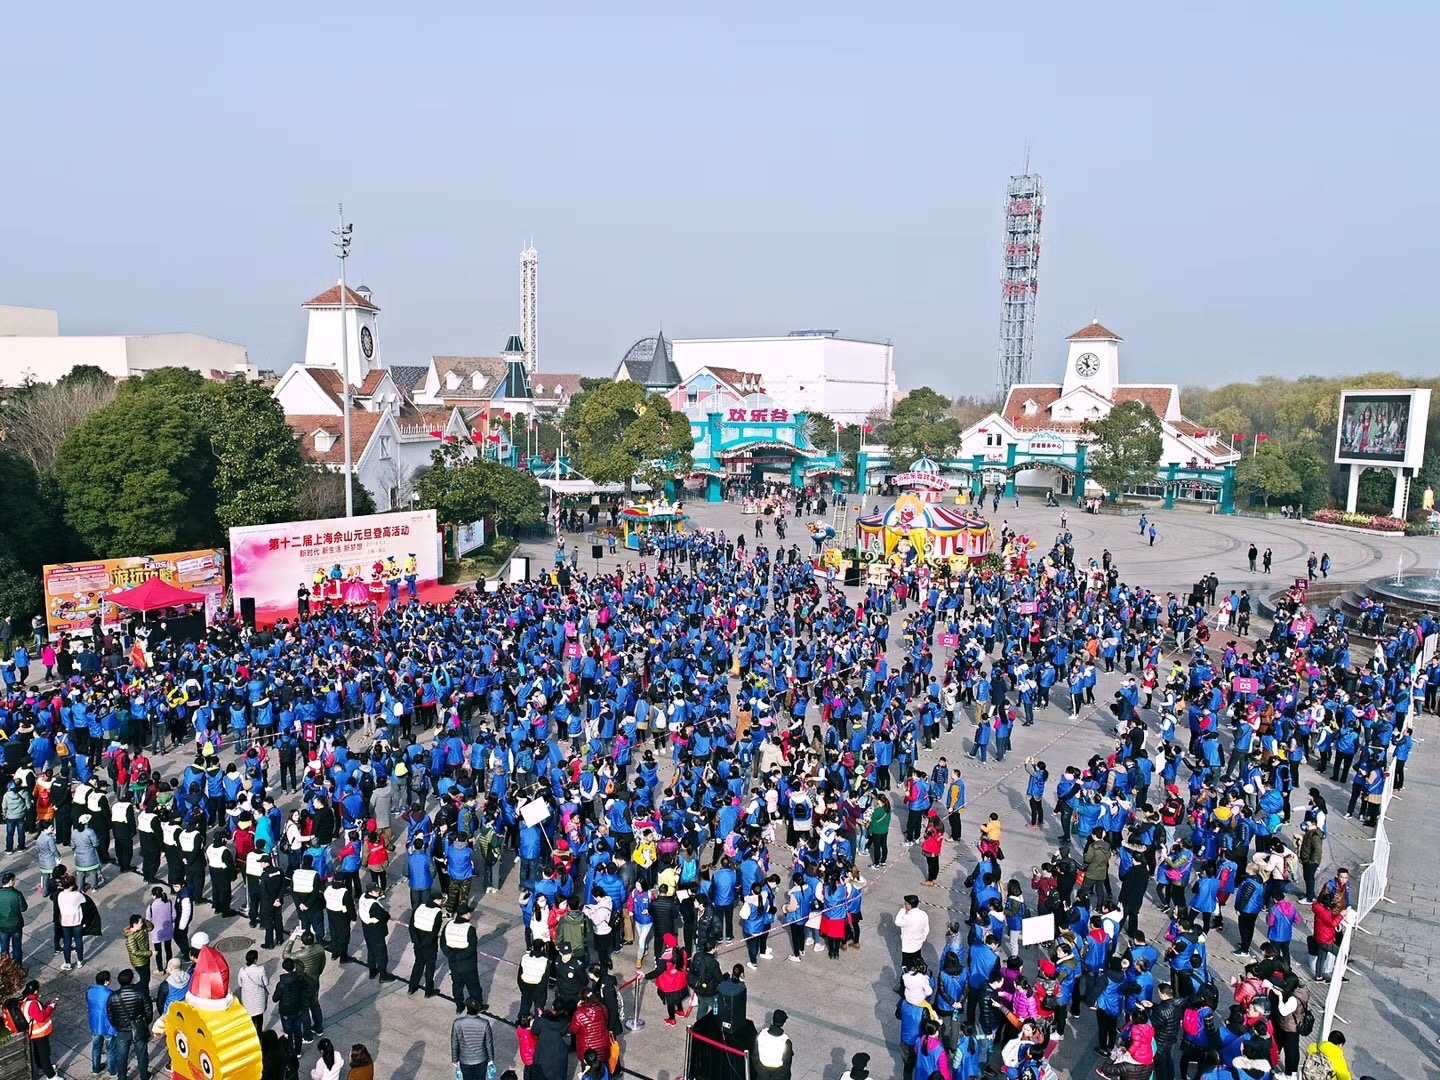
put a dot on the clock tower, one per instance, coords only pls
(360, 354)
(1093, 361)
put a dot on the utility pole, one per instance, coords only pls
(342, 248)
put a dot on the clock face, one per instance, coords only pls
(1086, 364)
(367, 342)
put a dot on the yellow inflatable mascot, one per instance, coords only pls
(209, 1035)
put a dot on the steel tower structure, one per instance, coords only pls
(1024, 207)
(529, 305)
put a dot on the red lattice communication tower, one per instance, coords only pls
(1024, 207)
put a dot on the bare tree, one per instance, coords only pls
(323, 496)
(398, 483)
(38, 417)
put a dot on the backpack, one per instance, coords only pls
(1316, 1067)
(1190, 1023)
(1305, 1022)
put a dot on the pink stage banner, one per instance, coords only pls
(369, 559)
(949, 641)
(1027, 607)
(1241, 685)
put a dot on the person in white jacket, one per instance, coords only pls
(330, 1063)
(914, 927)
(254, 988)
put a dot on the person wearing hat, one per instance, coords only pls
(87, 854)
(462, 953)
(425, 921)
(774, 1051)
(273, 885)
(374, 923)
(220, 860)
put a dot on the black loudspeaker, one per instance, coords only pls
(247, 611)
(852, 574)
(730, 1004)
(597, 551)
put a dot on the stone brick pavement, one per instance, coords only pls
(1391, 1006)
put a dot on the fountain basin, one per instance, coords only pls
(1413, 588)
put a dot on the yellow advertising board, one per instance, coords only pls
(76, 592)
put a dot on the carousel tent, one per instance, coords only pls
(653, 519)
(937, 531)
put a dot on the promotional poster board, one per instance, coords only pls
(74, 592)
(470, 536)
(1382, 427)
(358, 558)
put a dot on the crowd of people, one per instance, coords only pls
(676, 770)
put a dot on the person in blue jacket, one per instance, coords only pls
(981, 747)
(102, 1032)
(419, 872)
(1035, 790)
(1205, 893)
(984, 963)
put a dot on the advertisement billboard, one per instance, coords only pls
(74, 592)
(1382, 427)
(355, 560)
(470, 537)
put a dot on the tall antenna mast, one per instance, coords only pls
(1024, 208)
(530, 305)
(342, 252)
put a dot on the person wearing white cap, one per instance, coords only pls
(87, 854)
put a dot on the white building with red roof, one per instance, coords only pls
(392, 433)
(1046, 418)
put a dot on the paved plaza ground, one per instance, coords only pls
(1390, 1007)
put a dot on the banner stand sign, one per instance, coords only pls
(76, 592)
(381, 559)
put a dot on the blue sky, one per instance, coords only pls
(1233, 188)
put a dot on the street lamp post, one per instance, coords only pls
(342, 249)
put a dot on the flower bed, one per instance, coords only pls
(1373, 522)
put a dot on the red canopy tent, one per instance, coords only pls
(155, 594)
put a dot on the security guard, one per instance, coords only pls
(122, 830)
(304, 886)
(174, 859)
(255, 863)
(374, 923)
(462, 945)
(221, 862)
(425, 938)
(97, 804)
(339, 917)
(773, 1050)
(192, 851)
(272, 891)
(148, 829)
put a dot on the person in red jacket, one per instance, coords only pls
(930, 847)
(591, 1027)
(1327, 917)
(672, 984)
(377, 858)
(525, 1038)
